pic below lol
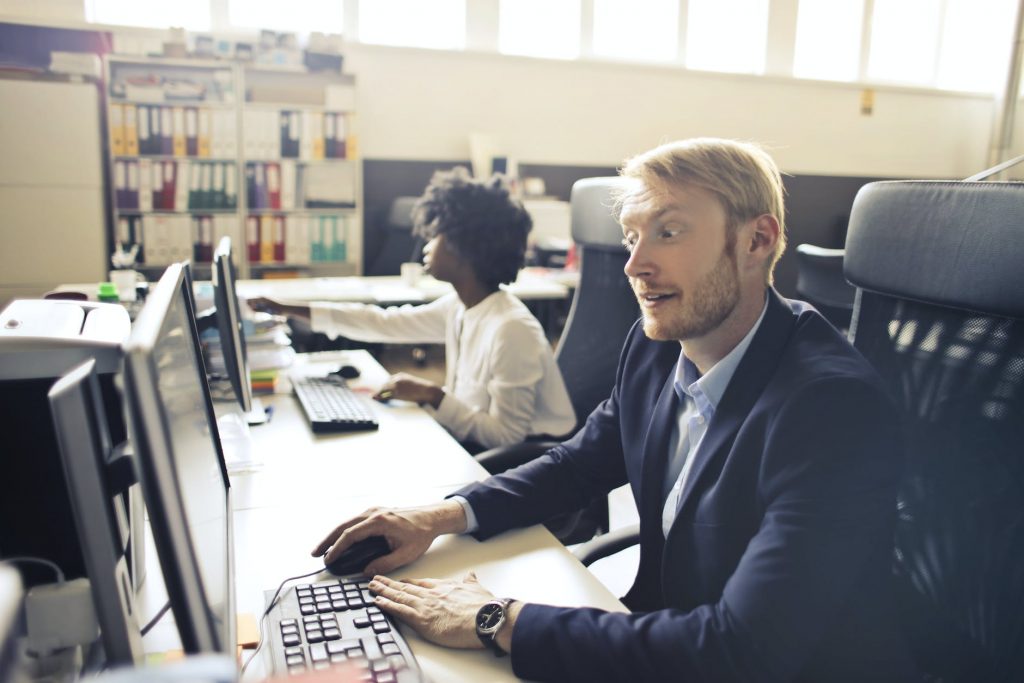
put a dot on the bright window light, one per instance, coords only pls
(636, 29)
(828, 36)
(905, 40)
(438, 24)
(727, 35)
(189, 14)
(539, 28)
(976, 42)
(299, 16)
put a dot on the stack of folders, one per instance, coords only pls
(299, 239)
(180, 131)
(298, 134)
(165, 185)
(168, 238)
(268, 348)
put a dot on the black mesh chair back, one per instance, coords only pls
(939, 268)
(820, 281)
(603, 306)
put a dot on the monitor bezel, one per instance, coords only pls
(229, 324)
(155, 457)
(77, 409)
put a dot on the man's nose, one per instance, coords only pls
(638, 264)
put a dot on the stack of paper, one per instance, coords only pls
(268, 347)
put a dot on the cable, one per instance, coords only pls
(38, 560)
(273, 603)
(152, 622)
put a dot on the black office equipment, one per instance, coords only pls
(181, 465)
(330, 406)
(40, 340)
(358, 555)
(603, 309)
(940, 313)
(229, 324)
(331, 622)
(90, 465)
(820, 282)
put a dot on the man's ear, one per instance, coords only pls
(764, 236)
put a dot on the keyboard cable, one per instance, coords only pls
(266, 612)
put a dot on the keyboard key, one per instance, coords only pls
(336, 647)
(361, 621)
(297, 668)
(315, 635)
(331, 634)
(338, 658)
(289, 651)
(381, 627)
(291, 640)
(390, 649)
(318, 653)
(307, 609)
(385, 638)
(339, 605)
(295, 659)
(386, 677)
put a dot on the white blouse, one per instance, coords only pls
(501, 380)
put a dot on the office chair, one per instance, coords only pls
(820, 282)
(940, 314)
(602, 311)
(400, 246)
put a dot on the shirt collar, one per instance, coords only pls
(707, 391)
(480, 310)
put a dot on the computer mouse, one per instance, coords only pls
(346, 372)
(353, 560)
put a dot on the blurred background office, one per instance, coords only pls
(842, 92)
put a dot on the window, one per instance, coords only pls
(828, 39)
(976, 44)
(904, 41)
(189, 14)
(438, 24)
(636, 29)
(299, 16)
(727, 35)
(539, 28)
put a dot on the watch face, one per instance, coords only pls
(489, 616)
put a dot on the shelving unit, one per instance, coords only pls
(202, 149)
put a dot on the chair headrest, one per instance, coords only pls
(954, 244)
(400, 213)
(594, 219)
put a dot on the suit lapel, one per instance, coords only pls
(655, 455)
(752, 374)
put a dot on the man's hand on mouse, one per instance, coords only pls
(405, 387)
(409, 532)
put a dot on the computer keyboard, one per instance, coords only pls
(319, 625)
(330, 406)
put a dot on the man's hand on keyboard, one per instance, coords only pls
(405, 387)
(409, 532)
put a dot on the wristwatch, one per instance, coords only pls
(489, 619)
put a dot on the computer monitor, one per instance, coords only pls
(229, 324)
(96, 493)
(181, 465)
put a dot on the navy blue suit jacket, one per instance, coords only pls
(777, 566)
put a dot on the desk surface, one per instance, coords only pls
(300, 485)
(531, 285)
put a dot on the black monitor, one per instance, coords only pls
(181, 465)
(229, 324)
(96, 480)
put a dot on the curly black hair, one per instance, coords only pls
(479, 219)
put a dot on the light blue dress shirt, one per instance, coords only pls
(698, 398)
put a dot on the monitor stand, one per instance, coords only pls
(258, 415)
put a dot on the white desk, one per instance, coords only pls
(531, 285)
(308, 484)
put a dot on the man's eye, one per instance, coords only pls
(629, 243)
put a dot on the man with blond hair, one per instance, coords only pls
(762, 451)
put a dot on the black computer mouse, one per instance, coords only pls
(353, 560)
(347, 372)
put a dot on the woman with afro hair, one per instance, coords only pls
(502, 384)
